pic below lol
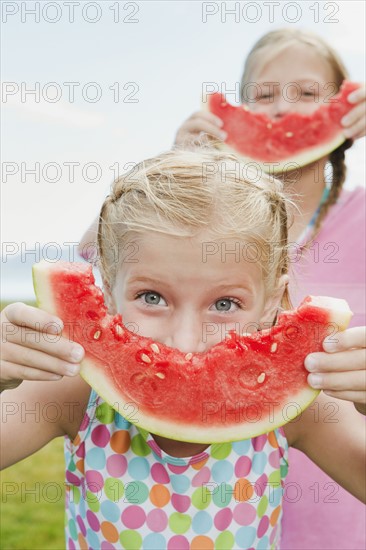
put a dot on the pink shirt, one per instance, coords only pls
(317, 512)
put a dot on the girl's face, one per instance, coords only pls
(188, 292)
(296, 80)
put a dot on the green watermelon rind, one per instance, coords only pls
(188, 433)
(44, 297)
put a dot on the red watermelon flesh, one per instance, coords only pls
(241, 387)
(283, 144)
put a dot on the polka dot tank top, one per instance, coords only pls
(123, 491)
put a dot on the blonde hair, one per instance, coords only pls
(183, 193)
(268, 47)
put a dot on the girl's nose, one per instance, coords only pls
(186, 334)
(281, 106)
(286, 100)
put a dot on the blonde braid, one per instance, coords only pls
(339, 172)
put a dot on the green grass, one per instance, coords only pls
(33, 500)
(34, 519)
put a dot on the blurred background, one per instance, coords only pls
(88, 89)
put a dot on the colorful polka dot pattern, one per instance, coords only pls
(123, 491)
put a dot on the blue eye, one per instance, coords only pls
(223, 305)
(227, 305)
(151, 298)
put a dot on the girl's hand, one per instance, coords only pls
(196, 126)
(354, 122)
(32, 347)
(341, 371)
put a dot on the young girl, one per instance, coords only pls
(328, 255)
(130, 489)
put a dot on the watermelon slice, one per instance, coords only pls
(241, 387)
(285, 144)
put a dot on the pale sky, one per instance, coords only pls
(148, 67)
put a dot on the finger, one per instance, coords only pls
(35, 359)
(346, 361)
(50, 344)
(197, 125)
(358, 129)
(357, 113)
(21, 372)
(354, 337)
(357, 95)
(208, 117)
(338, 381)
(355, 396)
(22, 315)
(202, 139)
